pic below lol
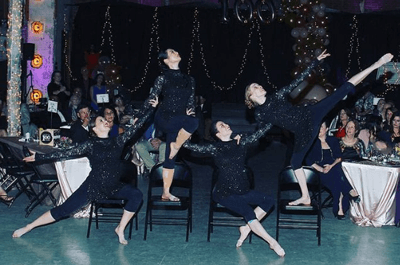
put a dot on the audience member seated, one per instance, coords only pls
(150, 143)
(97, 89)
(352, 147)
(388, 118)
(325, 157)
(364, 105)
(57, 90)
(379, 108)
(79, 131)
(84, 82)
(108, 113)
(74, 102)
(392, 136)
(388, 104)
(339, 123)
(124, 112)
(26, 124)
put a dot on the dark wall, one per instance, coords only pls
(224, 45)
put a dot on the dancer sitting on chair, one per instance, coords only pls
(232, 189)
(175, 115)
(103, 181)
(302, 121)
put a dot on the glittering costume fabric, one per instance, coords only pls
(104, 157)
(304, 120)
(229, 158)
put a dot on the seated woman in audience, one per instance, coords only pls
(392, 137)
(232, 189)
(325, 156)
(352, 147)
(103, 181)
(74, 102)
(97, 89)
(388, 119)
(344, 116)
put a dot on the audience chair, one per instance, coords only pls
(163, 212)
(111, 208)
(220, 215)
(300, 216)
(14, 174)
(46, 184)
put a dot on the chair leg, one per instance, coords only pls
(146, 222)
(90, 220)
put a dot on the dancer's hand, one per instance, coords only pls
(153, 102)
(237, 138)
(190, 112)
(384, 59)
(323, 55)
(30, 158)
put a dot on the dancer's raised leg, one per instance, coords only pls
(44, 219)
(119, 230)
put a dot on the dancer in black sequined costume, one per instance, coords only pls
(104, 179)
(232, 188)
(303, 121)
(175, 114)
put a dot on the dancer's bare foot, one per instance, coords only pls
(174, 150)
(169, 197)
(121, 236)
(20, 232)
(384, 59)
(278, 249)
(244, 232)
(302, 201)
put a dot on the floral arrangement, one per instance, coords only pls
(64, 143)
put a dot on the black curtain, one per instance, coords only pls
(223, 45)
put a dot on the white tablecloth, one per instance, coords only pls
(377, 187)
(71, 174)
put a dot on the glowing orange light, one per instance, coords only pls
(37, 27)
(37, 61)
(36, 95)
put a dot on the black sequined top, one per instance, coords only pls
(177, 91)
(104, 157)
(278, 111)
(229, 158)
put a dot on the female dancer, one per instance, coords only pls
(303, 121)
(175, 115)
(104, 179)
(232, 189)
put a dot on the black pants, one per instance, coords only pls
(79, 198)
(242, 204)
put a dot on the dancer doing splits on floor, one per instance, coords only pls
(103, 181)
(302, 121)
(175, 114)
(232, 188)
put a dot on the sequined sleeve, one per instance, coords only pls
(191, 101)
(287, 89)
(201, 148)
(82, 149)
(248, 139)
(155, 91)
(131, 131)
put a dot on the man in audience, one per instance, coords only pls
(80, 129)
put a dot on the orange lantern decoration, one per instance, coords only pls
(37, 61)
(37, 27)
(36, 95)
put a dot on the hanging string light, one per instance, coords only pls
(65, 50)
(354, 41)
(14, 37)
(196, 22)
(107, 24)
(260, 42)
(154, 41)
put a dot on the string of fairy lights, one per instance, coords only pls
(107, 24)
(154, 41)
(14, 56)
(65, 50)
(354, 41)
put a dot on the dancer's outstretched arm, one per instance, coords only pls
(355, 80)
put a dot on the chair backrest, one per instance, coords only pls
(182, 175)
(288, 179)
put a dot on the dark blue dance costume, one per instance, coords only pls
(104, 178)
(177, 95)
(232, 188)
(303, 121)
